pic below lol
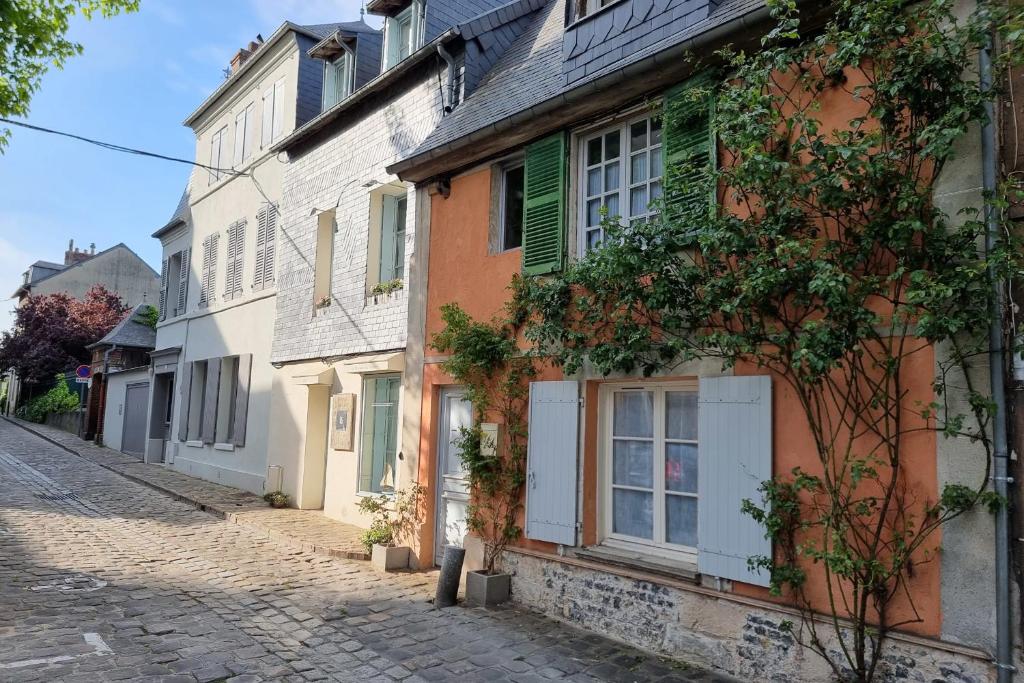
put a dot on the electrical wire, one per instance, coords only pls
(141, 152)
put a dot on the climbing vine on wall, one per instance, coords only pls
(828, 262)
(486, 359)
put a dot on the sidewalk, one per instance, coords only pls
(307, 530)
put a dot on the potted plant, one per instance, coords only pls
(392, 517)
(485, 357)
(276, 499)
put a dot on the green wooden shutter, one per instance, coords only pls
(689, 145)
(544, 206)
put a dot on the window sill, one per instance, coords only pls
(223, 446)
(194, 444)
(651, 564)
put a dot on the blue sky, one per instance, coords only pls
(140, 76)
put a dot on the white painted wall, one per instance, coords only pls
(113, 414)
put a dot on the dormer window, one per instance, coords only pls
(584, 8)
(403, 33)
(339, 75)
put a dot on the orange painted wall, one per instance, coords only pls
(462, 270)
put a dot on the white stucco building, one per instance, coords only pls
(210, 400)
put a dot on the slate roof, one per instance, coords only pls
(182, 214)
(467, 30)
(529, 76)
(326, 30)
(130, 332)
(49, 265)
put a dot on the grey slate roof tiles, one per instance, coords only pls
(130, 332)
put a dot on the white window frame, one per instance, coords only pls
(651, 183)
(344, 71)
(411, 15)
(653, 547)
(518, 163)
(587, 8)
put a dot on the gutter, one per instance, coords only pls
(449, 100)
(638, 69)
(996, 362)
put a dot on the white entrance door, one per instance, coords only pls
(453, 487)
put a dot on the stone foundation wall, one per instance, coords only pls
(744, 640)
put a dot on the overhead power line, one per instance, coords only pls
(118, 148)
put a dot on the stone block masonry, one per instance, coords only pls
(742, 637)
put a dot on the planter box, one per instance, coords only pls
(487, 590)
(387, 558)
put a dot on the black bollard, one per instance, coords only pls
(451, 575)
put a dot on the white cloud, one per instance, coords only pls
(272, 13)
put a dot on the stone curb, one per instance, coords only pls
(216, 511)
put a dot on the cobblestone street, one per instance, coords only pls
(104, 579)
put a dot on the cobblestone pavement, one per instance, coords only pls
(104, 579)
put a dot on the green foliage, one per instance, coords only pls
(485, 357)
(32, 36)
(830, 263)
(149, 316)
(59, 399)
(277, 499)
(388, 287)
(393, 517)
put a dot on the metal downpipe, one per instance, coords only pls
(1000, 450)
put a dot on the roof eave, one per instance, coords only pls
(419, 167)
(283, 30)
(405, 66)
(167, 228)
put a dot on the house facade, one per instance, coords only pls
(339, 429)
(566, 122)
(210, 400)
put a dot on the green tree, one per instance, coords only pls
(827, 262)
(33, 38)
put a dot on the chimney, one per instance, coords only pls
(74, 255)
(244, 53)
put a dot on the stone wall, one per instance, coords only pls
(66, 422)
(742, 637)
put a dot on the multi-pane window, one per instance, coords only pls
(403, 34)
(392, 238)
(380, 434)
(338, 77)
(622, 169)
(583, 8)
(512, 198)
(651, 445)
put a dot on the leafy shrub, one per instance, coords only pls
(59, 399)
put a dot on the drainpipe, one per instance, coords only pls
(102, 403)
(449, 98)
(1000, 451)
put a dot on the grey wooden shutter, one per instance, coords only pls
(242, 399)
(235, 260)
(185, 391)
(209, 430)
(208, 279)
(204, 272)
(183, 278)
(163, 290)
(271, 245)
(735, 456)
(551, 462)
(266, 239)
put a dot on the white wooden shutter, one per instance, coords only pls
(242, 399)
(271, 245)
(183, 277)
(210, 400)
(735, 456)
(204, 292)
(551, 462)
(278, 108)
(184, 399)
(163, 290)
(235, 260)
(268, 118)
(263, 217)
(250, 114)
(239, 149)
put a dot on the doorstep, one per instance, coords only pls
(307, 530)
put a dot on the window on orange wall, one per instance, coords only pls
(649, 453)
(512, 198)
